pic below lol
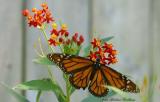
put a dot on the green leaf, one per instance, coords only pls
(107, 39)
(43, 85)
(43, 60)
(18, 96)
(87, 50)
(70, 88)
(118, 91)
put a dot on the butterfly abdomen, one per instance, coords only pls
(96, 66)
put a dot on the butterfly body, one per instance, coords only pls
(96, 64)
(92, 74)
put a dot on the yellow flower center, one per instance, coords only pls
(54, 26)
(64, 26)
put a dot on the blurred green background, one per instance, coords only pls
(135, 25)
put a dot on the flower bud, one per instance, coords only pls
(25, 12)
(81, 39)
(34, 9)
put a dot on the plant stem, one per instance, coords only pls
(38, 96)
(46, 38)
(51, 75)
(55, 83)
(48, 68)
(67, 89)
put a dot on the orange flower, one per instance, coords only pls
(92, 56)
(25, 12)
(52, 42)
(39, 16)
(107, 47)
(96, 43)
(104, 51)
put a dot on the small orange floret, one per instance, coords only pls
(30, 18)
(52, 42)
(93, 56)
(114, 60)
(54, 36)
(64, 27)
(25, 12)
(114, 52)
(96, 43)
(110, 46)
(107, 46)
(34, 9)
(44, 5)
(39, 12)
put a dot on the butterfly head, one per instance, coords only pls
(97, 60)
(57, 58)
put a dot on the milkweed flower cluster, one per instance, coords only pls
(58, 37)
(61, 36)
(39, 17)
(104, 51)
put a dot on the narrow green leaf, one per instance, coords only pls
(72, 90)
(107, 39)
(38, 96)
(18, 96)
(65, 76)
(118, 91)
(43, 60)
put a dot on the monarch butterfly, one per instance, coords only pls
(87, 73)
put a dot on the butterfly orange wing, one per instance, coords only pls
(118, 80)
(70, 63)
(81, 79)
(97, 85)
(80, 68)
